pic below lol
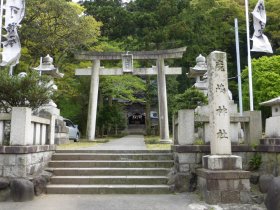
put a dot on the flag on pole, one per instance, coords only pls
(14, 12)
(260, 41)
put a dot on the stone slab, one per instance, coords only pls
(225, 174)
(222, 162)
(26, 149)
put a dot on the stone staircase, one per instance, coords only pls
(110, 172)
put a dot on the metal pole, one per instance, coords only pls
(1, 22)
(238, 67)
(41, 62)
(11, 69)
(249, 59)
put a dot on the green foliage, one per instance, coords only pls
(266, 77)
(110, 117)
(190, 99)
(29, 91)
(151, 139)
(124, 87)
(56, 28)
(255, 162)
(198, 142)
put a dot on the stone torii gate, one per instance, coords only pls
(127, 59)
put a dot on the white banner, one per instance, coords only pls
(260, 41)
(14, 12)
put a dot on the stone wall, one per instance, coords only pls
(187, 158)
(24, 161)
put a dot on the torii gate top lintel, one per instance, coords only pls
(165, 54)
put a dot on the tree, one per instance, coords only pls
(55, 28)
(266, 77)
(28, 91)
(190, 99)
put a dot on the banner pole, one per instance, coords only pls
(1, 22)
(249, 58)
(238, 67)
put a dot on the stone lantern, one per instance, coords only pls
(272, 125)
(199, 72)
(46, 67)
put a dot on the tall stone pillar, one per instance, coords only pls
(221, 180)
(93, 96)
(162, 100)
(219, 118)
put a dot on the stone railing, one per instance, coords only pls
(26, 142)
(5, 122)
(186, 120)
(21, 128)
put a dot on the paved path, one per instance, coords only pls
(183, 201)
(130, 142)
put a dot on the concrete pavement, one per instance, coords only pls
(183, 201)
(130, 142)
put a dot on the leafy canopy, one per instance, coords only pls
(266, 77)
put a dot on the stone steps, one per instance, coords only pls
(110, 172)
(111, 156)
(108, 189)
(111, 164)
(116, 180)
(114, 151)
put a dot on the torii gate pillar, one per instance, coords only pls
(93, 100)
(162, 100)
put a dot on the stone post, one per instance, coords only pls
(51, 131)
(21, 127)
(253, 129)
(221, 180)
(93, 98)
(219, 118)
(162, 100)
(185, 126)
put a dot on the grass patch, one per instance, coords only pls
(152, 143)
(81, 144)
(158, 146)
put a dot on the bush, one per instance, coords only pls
(28, 91)
(190, 99)
(255, 162)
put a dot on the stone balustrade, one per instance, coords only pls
(184, 131)
(20, 128)
(26, 142)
